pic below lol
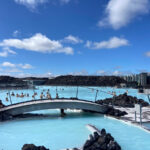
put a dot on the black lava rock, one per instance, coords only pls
(104, 141)
(123, 100)
(33, 147)
(103, 132)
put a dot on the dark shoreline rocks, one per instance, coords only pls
(123, 100)
(101, 141)
(33, 147)
(5, 116)
(1, 104)
(115, 112)
(97, 141)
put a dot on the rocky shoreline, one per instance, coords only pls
(98, 140)
(123, 100)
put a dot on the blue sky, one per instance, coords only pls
(54, 37)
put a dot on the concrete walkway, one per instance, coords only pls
(131, 114)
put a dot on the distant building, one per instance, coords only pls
(142, 79)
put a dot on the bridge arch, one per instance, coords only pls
(35, 105)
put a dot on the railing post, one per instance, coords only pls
(96, 95)
(140, 114)
(114, 98)
(148, 95)
(77, 93)
(135, 116)
(56, 89)
(10, 97)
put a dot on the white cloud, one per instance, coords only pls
(113, 42)
(30, 3)
(37, 43)
(3, 54)
(12, 70)
(72, 39)
(47, 74)
(121, 12)
(147, 54)
(16, 33)
(8, 64)
(65, 1)
(101, 72)
(110, 73)
(117, 73)
(82, 72)
(25, 66)
(6, 51)
(16, 66)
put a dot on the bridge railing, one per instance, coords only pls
(10, 97)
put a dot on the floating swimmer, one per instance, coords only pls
(7, 99)
(33, 96)
(12, 94)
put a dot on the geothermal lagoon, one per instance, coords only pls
(58, 133)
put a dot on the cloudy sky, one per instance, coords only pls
(53, 37)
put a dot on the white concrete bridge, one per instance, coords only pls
(34, 105)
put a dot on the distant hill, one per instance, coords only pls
(86, 80)
(10, 80)
(34, 78)
(68, 80)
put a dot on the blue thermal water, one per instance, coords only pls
(86, 93)
(58, 133)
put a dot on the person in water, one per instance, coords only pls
(41, 96)
(7, 99)
(17, 95)
(22, 95)
(12, 94)
(57, 97)
(49, 96)
(33, 96)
